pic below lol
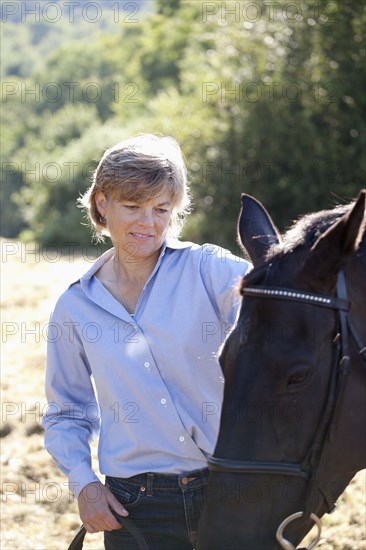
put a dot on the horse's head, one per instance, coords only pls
(292, 431)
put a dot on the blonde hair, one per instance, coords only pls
(137, 170)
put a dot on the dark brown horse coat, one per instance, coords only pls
(291, 401)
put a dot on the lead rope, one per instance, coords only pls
(78, 540)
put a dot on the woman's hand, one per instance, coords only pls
(95, 504)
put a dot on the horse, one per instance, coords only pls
(292, 428)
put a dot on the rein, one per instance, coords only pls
(308, 468)
(78, 540)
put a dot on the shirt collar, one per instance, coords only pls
(169, 242)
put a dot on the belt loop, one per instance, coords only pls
(149, 485)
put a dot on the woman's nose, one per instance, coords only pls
(146, 217)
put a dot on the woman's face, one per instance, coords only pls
(137, 230)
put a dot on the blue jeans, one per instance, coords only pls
(165, 508)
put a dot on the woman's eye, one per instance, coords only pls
(130, 206)
(162, 210)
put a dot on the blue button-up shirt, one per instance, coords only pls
(149, 385)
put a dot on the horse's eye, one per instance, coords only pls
(297, 378)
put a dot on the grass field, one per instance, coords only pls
(37, 510)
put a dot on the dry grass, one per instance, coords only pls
(38, 512)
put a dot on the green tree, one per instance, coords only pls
(272, 106)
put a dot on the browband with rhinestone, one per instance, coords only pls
(296, 295)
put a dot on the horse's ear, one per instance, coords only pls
(256, 229)
(333, 248)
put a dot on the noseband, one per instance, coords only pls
(308, 468)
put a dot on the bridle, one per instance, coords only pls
(310, 465)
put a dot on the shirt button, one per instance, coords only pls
(147, 364)
(163, 401)
(181, 438)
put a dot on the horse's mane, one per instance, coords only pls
(307, 229)
(299, 237)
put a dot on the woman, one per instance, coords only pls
(132, 354)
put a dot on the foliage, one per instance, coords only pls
(269, 102)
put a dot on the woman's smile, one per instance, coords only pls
(141, 236)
